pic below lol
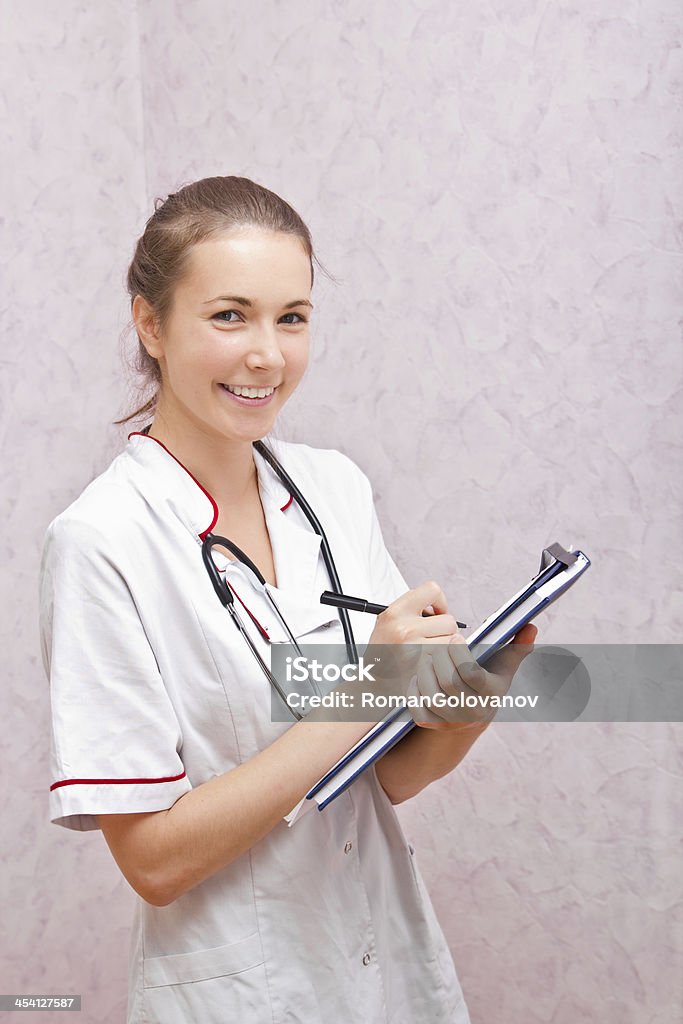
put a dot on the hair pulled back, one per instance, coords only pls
(199, 211)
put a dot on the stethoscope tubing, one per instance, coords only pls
(222, 587)
(351, 650)
(225, 593)
(269, 675)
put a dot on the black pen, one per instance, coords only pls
(359, 604)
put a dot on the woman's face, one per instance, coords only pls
(239, 322)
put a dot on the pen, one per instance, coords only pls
(359, 604)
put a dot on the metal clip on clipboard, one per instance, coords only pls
(556, 553)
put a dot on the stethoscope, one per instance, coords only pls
(225, 594)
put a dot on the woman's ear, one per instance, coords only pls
(147, 327)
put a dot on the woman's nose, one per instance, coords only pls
(265, 351)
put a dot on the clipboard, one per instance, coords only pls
(559, 570)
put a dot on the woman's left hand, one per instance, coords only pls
(448, 668)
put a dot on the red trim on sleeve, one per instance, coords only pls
(285, 507)
(116, 782)
(209, 528)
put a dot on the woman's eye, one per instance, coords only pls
(301, 320)
(226, 312)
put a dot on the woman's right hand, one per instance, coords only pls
(404, 623)
(402, 629)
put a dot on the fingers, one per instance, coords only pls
(526, 635)
(507, 660)
(445, 670)
(456, 669)
(416, 600)
(403, 620)
(436, 626)
(440, 691)
(421, 715)
(448, 670)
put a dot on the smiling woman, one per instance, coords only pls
(163, 732)
(226, 372)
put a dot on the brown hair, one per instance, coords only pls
(200, 210)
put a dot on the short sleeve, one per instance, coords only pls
(115, 738)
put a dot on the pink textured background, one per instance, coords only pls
(497, 188)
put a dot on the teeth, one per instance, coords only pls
(250, 392)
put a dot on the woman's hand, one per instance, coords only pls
(451, 670)
(403, 622)
(402, 629)
(447, 666)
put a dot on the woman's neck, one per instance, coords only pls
(225, 468)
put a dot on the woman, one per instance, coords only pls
(162, 729)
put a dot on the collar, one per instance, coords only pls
(296, 546)
(188, 498)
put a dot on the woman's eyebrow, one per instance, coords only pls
(247, 302)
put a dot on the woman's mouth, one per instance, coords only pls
(248, 396)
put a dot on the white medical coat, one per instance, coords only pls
(154, 692)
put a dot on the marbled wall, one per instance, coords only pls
(496, 189)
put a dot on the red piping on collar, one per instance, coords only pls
(119, 782)
(209, 528)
